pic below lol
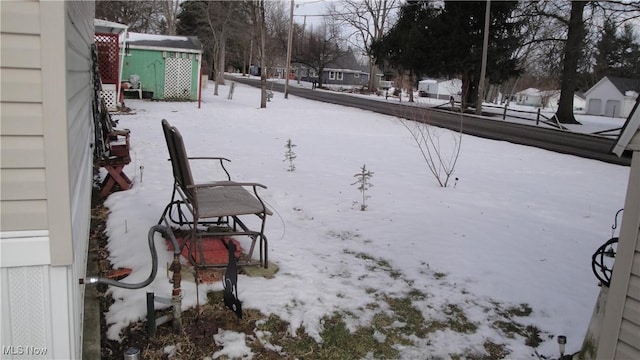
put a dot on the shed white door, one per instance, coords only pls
(177, 78)
(595, 106)
(613, 108)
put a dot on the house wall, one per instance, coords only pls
(348, 78)
(46, 170)
(602, 93)
(441, 90)
(529, 100)
(621, 326)
(149, 64)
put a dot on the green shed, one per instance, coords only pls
(162, 67)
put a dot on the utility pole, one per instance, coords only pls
(286, 81)
(483, 69)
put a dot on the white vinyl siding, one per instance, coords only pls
(622, 312)
(22, 149)
(45, 172)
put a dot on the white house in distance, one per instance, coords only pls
(545, 99)
(46, 161)
(529, 97)
(440, 89)
(612, 96)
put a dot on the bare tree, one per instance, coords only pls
(367, 19)
(320, 48)
(258, 19)
(140, 16)
(170, 9)
(440, 155)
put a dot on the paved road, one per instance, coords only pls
(583, 145)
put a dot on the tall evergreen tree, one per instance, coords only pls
(403, 48)
(447, 42)
(605, 55)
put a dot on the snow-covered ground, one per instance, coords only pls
(519, 225)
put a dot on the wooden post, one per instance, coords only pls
(538, 117)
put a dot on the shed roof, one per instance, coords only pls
(625, 84)
(164, 41)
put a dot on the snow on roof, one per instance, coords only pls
(529, 92)
(164, 41)
(109, 27)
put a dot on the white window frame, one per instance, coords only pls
(339, 75)
(332, 75)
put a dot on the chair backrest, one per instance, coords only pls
(179, 160)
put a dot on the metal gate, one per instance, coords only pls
(177, 78)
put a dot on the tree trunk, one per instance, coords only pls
(320, 71)
(572, 53)
(410, 86)
(263, 50)
(372, 80)
(222, 57)
(215, 72)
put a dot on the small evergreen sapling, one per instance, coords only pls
(363, 182)
(290, 155)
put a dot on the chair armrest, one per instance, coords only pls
(209, 158)
(226, 183)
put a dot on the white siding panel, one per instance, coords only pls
(24, 248)
(20, 17)
(631, 311)
(36, 310)
(23, 215)
(63, 310)
(20, 51)
(27, 303)
(20, 85)
(22, 152)
(634, 287)
(626, 352)
(629, 334)
(21, 119)
(23, 184)
(635, 268)
(79, 94)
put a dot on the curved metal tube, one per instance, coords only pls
(154, 261)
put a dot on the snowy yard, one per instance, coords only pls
(509, 244)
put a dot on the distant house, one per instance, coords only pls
(529, 97)
(612, 96)
(167, 67)
(440, 89)
(551, 100)
(545, 99)
(345, 71)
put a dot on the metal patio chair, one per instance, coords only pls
(212, 209)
